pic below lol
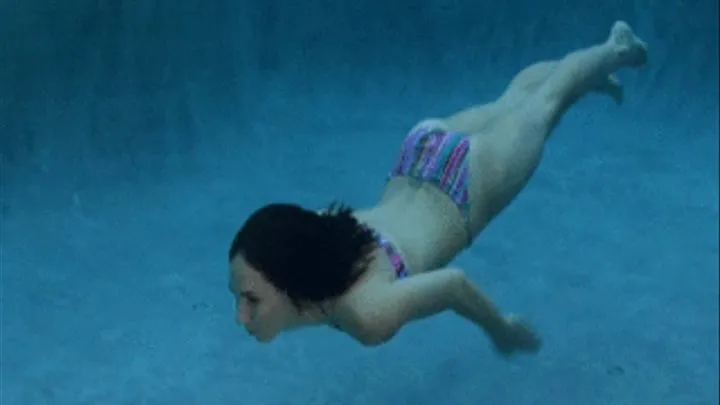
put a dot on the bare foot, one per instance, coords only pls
(612, 87)
(631, 49)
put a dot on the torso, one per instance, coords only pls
(423, 224)
(427, 235)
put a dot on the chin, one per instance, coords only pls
(264, 339)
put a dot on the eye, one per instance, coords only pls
(251, 298)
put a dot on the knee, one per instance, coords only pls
(541, 113)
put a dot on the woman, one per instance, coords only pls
(369, 272)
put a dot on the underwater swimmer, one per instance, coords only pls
(370, 272)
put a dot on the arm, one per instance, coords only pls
(384, 310)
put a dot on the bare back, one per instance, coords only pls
(421, 221)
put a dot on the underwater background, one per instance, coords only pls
(136, 136)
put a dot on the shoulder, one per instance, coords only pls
(359, 315)
(364, 329)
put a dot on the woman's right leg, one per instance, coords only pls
(532, 77)
(579, 73)
(504, 158)
(479, 117)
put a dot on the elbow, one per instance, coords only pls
(457, 281)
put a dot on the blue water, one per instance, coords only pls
(136, 137)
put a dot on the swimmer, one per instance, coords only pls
(369, 272)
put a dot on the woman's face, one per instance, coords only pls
(259, 306)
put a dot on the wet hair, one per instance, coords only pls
(309, 256)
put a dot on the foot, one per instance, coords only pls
(632, 50)
(516, 336)
(612, 87)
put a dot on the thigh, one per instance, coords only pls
(527, 81)
(476, 118)
(503, 158)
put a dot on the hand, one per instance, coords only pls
(516, 336)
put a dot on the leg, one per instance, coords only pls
(506, 157)
(530, 79)
(477, 118)
(581, 72)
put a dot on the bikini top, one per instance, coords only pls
(394, 256)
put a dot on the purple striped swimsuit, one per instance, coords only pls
(438, 157)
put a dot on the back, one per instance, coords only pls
(421, 221)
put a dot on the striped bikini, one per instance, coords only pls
(397, 261)
(439, 157)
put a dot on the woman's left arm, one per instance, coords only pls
(383, 310)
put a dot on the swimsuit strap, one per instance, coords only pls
(394, 256)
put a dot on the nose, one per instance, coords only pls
(242, 315)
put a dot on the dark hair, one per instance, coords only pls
(309, 256)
